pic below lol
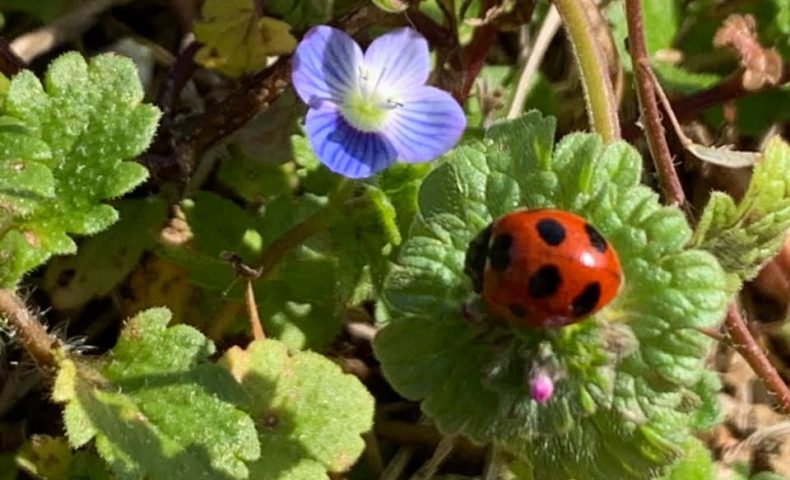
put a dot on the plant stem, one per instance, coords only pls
(747, 346)
(252, 311)
(39, 344)
(276, 251)
(731, 88)
(313, 224)
(648, 105)
(598, 91)
(546, 33)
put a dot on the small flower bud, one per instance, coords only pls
(541, 387)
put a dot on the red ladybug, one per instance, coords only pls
(543, 268)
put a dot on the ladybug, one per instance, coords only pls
(543, 268)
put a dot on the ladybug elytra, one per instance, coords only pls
(543, 268)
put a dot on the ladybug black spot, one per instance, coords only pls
(476, 256)
(586, 301)
(518, 310)
(596, 239)
(544, 282)
(499, 252)
(551, 231)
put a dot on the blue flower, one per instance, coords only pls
(369, 109)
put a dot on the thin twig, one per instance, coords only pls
(651, 117)
(440, 454)
(398, 463)
(64, 29)
(546, 33)
(598, 90)
(731, 88)
(39, 344)
(747, 346)
(252, 311)
(276, 251)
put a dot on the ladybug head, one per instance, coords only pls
(476, 255)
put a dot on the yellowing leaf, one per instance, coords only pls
(45, 457)
(238, 41)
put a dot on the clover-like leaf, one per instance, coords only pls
(632, 375)
(744, 236)
(156, 408)
(310, 415)
(62, 151)
(236, 39)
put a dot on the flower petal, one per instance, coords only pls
(343, 148)
(398, 61)
(429, 123)
(326, 65)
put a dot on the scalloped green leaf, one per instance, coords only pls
(310, 414)
(745, 235)
(63, 146)
(631, 374)
(156, 408)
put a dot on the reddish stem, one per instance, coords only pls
(747, 346)
(651, 117)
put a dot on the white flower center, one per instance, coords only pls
(367, 108)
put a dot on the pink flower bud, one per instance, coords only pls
(541, 387)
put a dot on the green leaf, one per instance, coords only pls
(236, 40)
(8, 468)
(310, 415)
(675, 79)
(51, 458)
(216, 225)
(696, 464)
(744, 236)
(63, 147)
(661, 23)
(630, 381)
(156, 408)
(301, 13)
(105, 260)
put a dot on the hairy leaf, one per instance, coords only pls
(744, 236)
(310, 415)
(630, 380)
(62, 151)
(156, 408)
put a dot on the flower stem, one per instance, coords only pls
(39, 344)
(312, 225)
(539, 47)
(252, 311)
(598, 91)
(747, 346)
(648, 105)
(276, 251)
